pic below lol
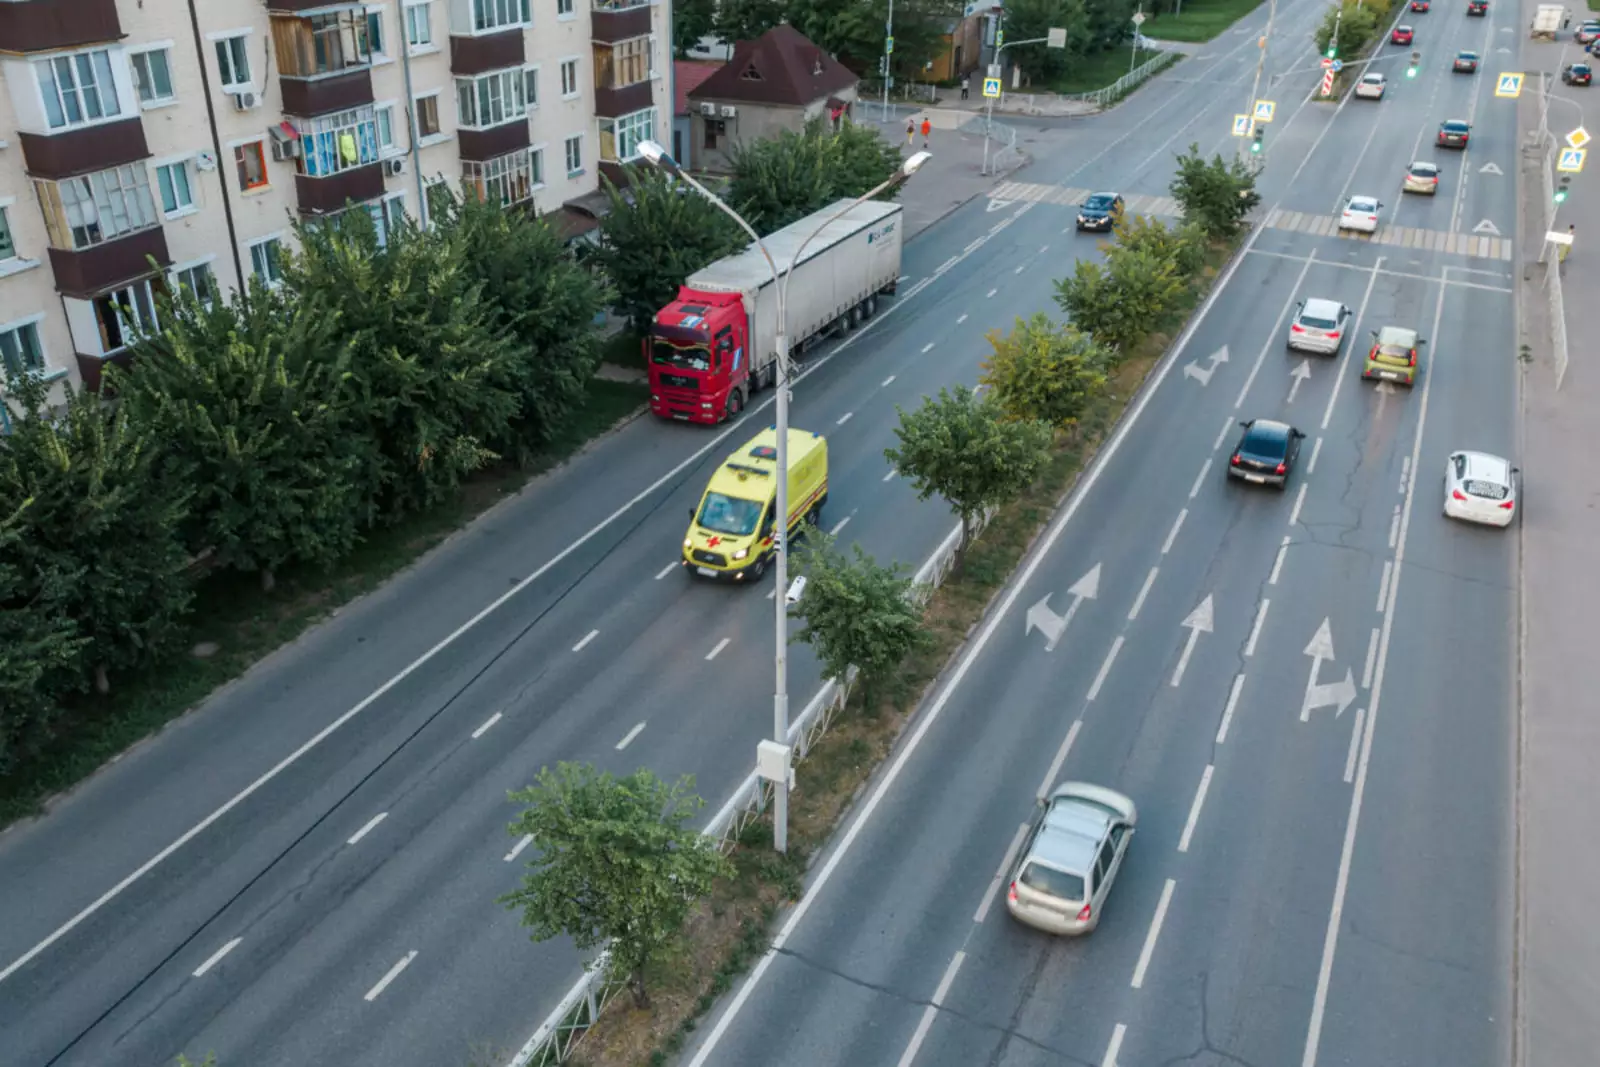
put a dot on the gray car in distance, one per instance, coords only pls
(1318, 326)
(1071, 858)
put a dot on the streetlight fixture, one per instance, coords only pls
(657, 157)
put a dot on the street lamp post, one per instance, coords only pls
(657, 156)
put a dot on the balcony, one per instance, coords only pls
(482, 145)
(88, 271)
(321, 45)
(618, 20)
(45, 25)
(80, 151)
(489, 51)
(330, 195)
(323, 96)
(615, 103)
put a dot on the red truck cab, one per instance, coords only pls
(698, 355)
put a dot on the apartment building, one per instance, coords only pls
(151, 143)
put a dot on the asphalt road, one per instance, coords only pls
(1306, 885)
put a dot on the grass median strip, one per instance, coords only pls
(1198, 20)
(731, 929)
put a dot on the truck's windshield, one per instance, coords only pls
(730, 515)
(682, 356)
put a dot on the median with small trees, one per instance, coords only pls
(1004, 458)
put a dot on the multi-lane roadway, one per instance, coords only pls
(305, 870)
(1309, 694)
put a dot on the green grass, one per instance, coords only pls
(246, 624)
(1099, 70)
(1201, 20)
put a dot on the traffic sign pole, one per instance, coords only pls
(1261, 62)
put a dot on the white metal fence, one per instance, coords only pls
(1128, 82)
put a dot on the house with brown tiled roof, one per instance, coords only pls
(779, 81)
(687, 76)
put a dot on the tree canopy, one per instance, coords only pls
(781, 179)
(1045, 372)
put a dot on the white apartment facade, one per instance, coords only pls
(152, 143)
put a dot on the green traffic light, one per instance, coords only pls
(1331, 50)
(1255, 146)
(1561, 195)
(1411, 72)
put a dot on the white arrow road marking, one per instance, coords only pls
(1340, 694)
(1486, 227)
(1193, 370)
(1197, 623)
(1384, 390)
(1047, 622)
(1301, 372)
(1489, 168)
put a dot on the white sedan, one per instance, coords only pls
(1479, 487)
(1361, 213)
(1371, 86)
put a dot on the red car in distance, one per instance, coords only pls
(1420, 6)
(1401, 35)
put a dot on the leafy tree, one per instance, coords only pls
(781, 179)
(961, 447)
(851, 30)
(1216, 195)
(1184, 246)
(39, 650)
(1110, 23)
(209, 1061)
(1358, 26)
(544, 301)
(250, 403)
(99, 540)
(615, 863)
(431, 361)
(1029, 19)
(745, 20)
(692, 20)
(655, 236)
(856, 613)
(1121, 301)
(1045, 372)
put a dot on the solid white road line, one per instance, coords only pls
(1277, 564)
(367, 829)
(394, 972)
(1153, 933)
(885, 383)
(719, 647)
(1383, 585)
(932, 1010)
(1350, 349)
(1194, 809)
(1222, 434)
(1061, 758)
(1274, 338)
(216, 957)
(631, 734)
(487, 723)
(1316, 450)
(1330, 943)
(1000, 876)
(1255, 629)
(985, 634)
(1299, 502)
(1227, 711)
(1144, 591)
(1194, 490)
(1115, 1046)
(668, 569)
(1172, 535)
(1372, 658)
(516, 849)
(590, 636)
(1355, 746)
(838, 526)
(1105, 668)
(844, 418)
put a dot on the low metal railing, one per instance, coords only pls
(1128, 82)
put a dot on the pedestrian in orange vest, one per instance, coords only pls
(927, 127)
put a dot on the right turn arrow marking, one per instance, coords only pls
(1340, 694)
(1047, 622)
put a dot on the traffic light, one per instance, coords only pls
(1332, 50)
(1255, 142)
(1562, 190)
(1416, 60)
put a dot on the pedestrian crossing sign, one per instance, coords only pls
(1264, 110)
(1508, 86)
(1241, 125)
(991, 87)
(1571, 161)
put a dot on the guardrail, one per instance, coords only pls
(1128, 82)
(563, 1028)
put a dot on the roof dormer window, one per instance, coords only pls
(751, 74)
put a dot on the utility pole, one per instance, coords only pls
(1055, 38)
(888, 57)
(1261, 62)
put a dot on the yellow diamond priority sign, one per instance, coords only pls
(1578, 138)
(1508, 86)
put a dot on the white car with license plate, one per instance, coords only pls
(1070, 859)
(1479, 487)
(1318, 326)
(1360, 214)
(1372, 86)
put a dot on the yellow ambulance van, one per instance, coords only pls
(731, 532)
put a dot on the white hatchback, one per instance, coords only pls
(1479, 487)
(1371, 86)
(1360, 213)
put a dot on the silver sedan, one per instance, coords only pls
(1071, 858)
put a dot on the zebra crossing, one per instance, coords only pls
(1476, 246)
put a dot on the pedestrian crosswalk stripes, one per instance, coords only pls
(1460, 244)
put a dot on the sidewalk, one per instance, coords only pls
(954, 174)
(1559, 807)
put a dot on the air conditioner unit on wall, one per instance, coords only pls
(708, 109)
(283, 151)
(394, 166)
(729, 111)
(245, 101)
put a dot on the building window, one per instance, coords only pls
(569, 78)
(385, 114)
(620, 138)
(622, 64)
(152, 76)
(95, 208)
(506, 179)
(419, 25)
(127, 314)
(266, 261)
(564, 8)
(233, 63)
(172, 182)
(199, 282)
(536, 166)
(500, 14)
(530, 86)
(251, 160)
(574, 155)
(491, 99)
(8, 244)
(329, 43)
(78, 89)
(428, 115)
(337, 142)
(20, 350)
(439, 196)
(386, 215)
(375, 34)
(716, 129)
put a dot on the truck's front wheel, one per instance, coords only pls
(735, 404)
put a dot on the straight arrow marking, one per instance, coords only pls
(1193, 370)
(1047, 622)
(1340, 694)
(1301, 372)
(1198, 622)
